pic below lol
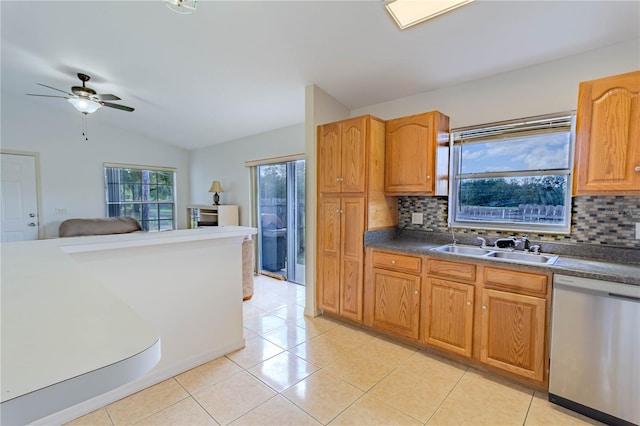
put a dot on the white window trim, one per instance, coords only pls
(530, 125)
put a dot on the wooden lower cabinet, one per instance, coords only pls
(496, 316)
(396, 302)
(448, 315)
(513, 333)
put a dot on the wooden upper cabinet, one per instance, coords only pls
(342, 156)
(607, 158)
(417, 155)
(329, 165)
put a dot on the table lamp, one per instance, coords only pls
(216, 187)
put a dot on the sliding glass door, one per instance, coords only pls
(281, 220)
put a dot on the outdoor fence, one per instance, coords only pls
(528, 213)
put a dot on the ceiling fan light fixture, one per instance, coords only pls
(183, 7)
(85, 106)
(407, 13)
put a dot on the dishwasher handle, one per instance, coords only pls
(625, 297)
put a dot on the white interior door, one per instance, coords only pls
(19, 201)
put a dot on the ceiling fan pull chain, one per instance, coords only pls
(85, 132)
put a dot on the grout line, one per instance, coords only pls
(447, 395)
(529, 408)
(109, 416)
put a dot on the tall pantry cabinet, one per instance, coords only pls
(351, 201)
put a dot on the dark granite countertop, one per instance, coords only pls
(611, 264)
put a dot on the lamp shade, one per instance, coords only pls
(216, 187)
(85, 106)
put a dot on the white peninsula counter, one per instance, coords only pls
(89, 320)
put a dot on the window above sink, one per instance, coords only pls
(514, 175)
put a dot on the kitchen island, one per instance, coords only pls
(84, 319)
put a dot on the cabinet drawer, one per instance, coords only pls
(448, 269)
(515, 280)
(396, 262)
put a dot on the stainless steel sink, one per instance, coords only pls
(468, 250)
(524, 257)
(498, 254)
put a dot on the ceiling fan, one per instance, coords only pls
(84, 98)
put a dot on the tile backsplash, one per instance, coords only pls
(601, 220)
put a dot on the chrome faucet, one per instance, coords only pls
(483, 242)
(453, 236)
(526, 243)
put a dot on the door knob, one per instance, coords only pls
(31, 224)
(32, 215)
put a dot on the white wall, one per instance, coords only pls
(541, 89)
(71, 169)
(225, 162)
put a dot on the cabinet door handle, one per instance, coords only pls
(393, 262)
(415, 291)
(468, 302)
(637, 169)
(484, 307)
(428, 177)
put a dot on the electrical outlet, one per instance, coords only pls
(637, 231)
(417, 218)
(60, 211)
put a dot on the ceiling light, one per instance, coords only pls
(410, 12)
(85, 106)
(184, 7)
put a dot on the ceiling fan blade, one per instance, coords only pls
(44, 85)
(107, 97)
(116, 106)
(47, 96)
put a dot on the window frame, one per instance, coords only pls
(530, 126)
(173, 200)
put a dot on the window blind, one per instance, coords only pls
(522, 127)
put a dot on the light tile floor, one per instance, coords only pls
(297, 370)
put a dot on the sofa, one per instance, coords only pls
(98, 226)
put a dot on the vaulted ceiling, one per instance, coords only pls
(237, 68)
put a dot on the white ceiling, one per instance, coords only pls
(238, 68)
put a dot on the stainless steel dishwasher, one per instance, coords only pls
(595, 349)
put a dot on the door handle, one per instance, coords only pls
(32, 215)
(31, 224)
